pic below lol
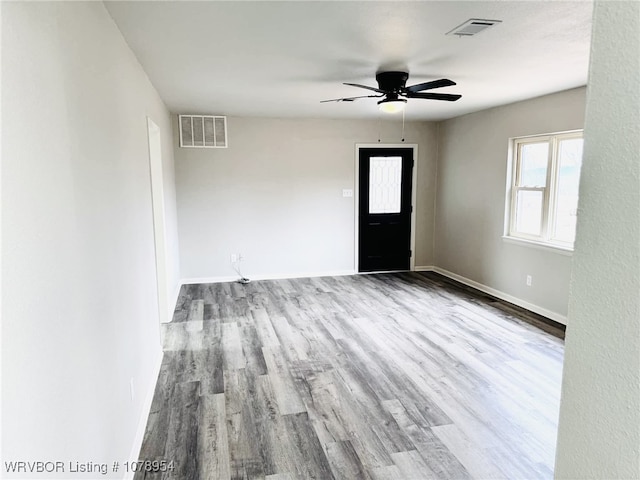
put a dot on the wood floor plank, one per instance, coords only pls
(406, 369)
(306, 450)
(182, 438)
(439, 458)
(213, 374)
(345, 419)
(213, 441)
(392, 472)
(344, 461)
(412, 466)
(252, 349)
(245, 450)
(476, 460)
(279, 476)
(284, 389)
(293, 344)
(183, 304)
(195, 316)
(321, 398)
(157, 428)
(266, 333)
(404, 421)
(270, 430)
(289, 444)
(232, 347)
(385, 376)
(380, 421)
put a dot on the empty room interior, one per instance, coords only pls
(320, 240)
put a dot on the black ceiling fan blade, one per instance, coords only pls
(350, 99)
(435, 96)
(374, 89)
(443, 82)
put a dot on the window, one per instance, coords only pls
(385, 184)
(544, 188)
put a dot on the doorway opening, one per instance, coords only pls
(385, 219)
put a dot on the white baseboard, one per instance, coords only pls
(194, 280)
(423, 268)
(496, 293)
(273, 276)
(144, 416)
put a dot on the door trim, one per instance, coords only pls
(356, 195)
(156, 181)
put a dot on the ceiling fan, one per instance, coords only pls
(392, 86)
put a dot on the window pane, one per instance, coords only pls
(385, 178)
(529, 212)
(534, 158)
(569, 164)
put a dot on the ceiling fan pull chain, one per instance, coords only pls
(403, 126)
(379, 120)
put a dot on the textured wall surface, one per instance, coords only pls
(275, 195)
(599, 429)
(79, 294)
(470, 203)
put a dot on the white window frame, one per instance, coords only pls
(549, 192)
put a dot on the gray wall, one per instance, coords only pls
(599, 428)
(79, 296)
(275, 196)
(470, 200)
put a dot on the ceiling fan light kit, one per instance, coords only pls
(392, 105)
(392, 86)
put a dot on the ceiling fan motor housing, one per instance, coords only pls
(392, 97)
(392, 81)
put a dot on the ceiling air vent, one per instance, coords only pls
(203, 131)
(472, 27)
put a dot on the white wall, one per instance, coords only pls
(275, 196)
(79, 311)
(470, 200)
(599, 428)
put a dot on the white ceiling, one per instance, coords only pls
(279, 59)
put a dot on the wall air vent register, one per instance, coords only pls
(472, 27)
(203, 131)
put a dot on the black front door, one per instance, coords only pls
(384, 232)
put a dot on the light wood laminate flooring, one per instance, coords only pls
(385, 376)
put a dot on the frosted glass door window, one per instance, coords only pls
(385, 180)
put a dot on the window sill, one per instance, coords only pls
(539, 245)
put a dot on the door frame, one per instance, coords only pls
(356, 195)
(156, 180)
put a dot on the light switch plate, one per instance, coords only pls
(347, 192)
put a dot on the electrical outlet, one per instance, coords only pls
(528, 280)
(132, 389)
(234, 257)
